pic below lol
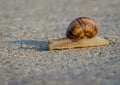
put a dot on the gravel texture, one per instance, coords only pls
(27, 25)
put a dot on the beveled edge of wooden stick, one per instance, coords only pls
(66, 43)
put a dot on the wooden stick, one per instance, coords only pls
(66, 43)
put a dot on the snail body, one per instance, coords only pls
(82, 27)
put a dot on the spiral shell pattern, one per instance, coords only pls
(82, 27)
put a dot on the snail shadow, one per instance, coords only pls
(31, 44)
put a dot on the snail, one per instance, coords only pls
(80, 33)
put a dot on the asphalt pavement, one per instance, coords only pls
(27, 25)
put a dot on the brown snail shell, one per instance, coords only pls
(82, 27)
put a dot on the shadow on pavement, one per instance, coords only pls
(31, 44)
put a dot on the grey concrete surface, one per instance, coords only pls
(27, 25)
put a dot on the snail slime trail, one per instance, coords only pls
(80, 33)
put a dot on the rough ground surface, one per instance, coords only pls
(26, 26)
